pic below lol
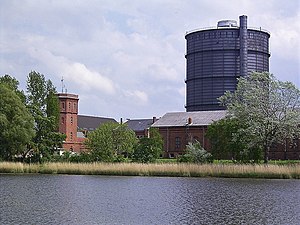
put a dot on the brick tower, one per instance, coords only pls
(68, 104)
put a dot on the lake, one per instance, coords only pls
(72, 199)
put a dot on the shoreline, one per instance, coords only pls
(157, 169)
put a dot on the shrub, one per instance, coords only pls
(195, 153)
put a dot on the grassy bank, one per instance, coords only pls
(174, 169)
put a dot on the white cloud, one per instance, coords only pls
(87, 79)
(75, 72)
(137, 96)
(129, 55)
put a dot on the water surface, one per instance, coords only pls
(69, 199)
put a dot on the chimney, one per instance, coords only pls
(154, 119)
(121, 120)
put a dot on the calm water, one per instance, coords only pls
(63, 199)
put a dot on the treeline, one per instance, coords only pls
(29, 124)
(29, 120)
(262, 112)
(114, 142)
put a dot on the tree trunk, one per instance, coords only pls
(266, 156)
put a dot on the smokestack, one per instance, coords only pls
(154, 119)
(243, 46)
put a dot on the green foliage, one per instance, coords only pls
(195, 153)
(149, 148)
(267, 108)
(12, 83)
(110, 141)
(83, 157)
(146, 151)
(52, 110)
(226, 142)
(44, 107)
(16, 124)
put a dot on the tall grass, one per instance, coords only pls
(158, 169)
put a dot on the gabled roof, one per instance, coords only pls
(198, 118)
(139, 124)
(92, 122)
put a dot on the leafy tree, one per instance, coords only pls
(149, 148)
(52, 110)
(195, 153)
(111, 141)
(226, 143)
(13, 84)
(44, 107)
(267, 108)
(16, 124)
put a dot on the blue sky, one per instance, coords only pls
(126, 58)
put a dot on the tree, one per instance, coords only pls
(227, 143)
(267, 108)
(44, 107)
(149, 148)
(16, 124)
(111, 141)
(195, 153)
(12, 83)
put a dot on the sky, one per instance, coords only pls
(125, 58)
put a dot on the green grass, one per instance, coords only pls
(159, 169)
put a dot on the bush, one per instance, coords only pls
(146, 151)
(195, 153)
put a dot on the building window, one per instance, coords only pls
(177, 142)
(63, 120)
(69, 105)
(63, 105)
(71, 136)
(74, 106)
(71, 119)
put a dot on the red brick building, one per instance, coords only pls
(179, 128)
(76, 126)
(68, 104)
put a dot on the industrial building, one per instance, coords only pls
(179, 128)
(76, 126)
(216, 57)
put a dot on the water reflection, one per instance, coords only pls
(61, 199)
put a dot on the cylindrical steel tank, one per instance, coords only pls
(216, 57)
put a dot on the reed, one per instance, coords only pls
(158, 169)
